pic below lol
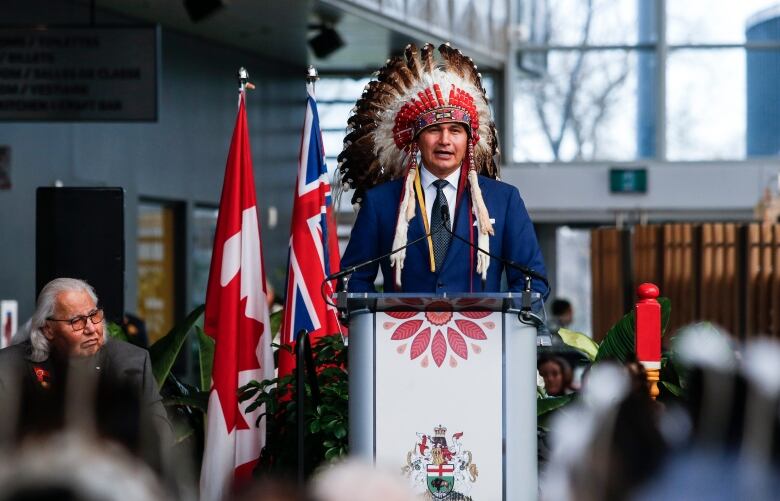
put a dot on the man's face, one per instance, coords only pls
(64, 339)
(442, 147)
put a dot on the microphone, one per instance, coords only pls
(352, 269)
(528, 272)
(525, 315)
(345, 273)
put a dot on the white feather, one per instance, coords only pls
(484, 228)
(401, 227)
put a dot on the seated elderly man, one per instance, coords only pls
(68, 359)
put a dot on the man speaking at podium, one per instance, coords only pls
(447, 208)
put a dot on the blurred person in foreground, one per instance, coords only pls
(353, 480)
(68, 368)
(272, 489)
(607, 443)
(75, 465)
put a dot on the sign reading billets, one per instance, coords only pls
(78, 74)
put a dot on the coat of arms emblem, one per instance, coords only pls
(445, 469)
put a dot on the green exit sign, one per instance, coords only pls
(628, 180)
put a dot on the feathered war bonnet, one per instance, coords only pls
(407, 95)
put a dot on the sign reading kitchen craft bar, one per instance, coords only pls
(79, 74)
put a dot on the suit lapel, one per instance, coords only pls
(458, 249)
(415, 231)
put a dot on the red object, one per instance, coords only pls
(42, 375)
(648, 326)
(423, 445)
(440, 469)
(7, 329)
(314, 249)
(237, 318)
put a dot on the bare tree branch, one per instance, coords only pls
(583, 99)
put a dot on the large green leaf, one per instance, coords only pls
(673, 389)
(579, 341)
(115, 331)
(206, 357)
(164, 352)
(666, 313)
(276, 322)
(199, 400)
(181, 431)
(549, 404)
(618, 344)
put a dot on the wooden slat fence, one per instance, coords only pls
(726, 273)
(608, 274)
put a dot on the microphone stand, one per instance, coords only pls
(345, 274)
(526, 315)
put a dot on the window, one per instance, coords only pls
(584, 107)
(204, 226)
(160, 266)
(592, 74)
(573, 275)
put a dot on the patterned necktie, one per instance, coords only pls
(441, 237)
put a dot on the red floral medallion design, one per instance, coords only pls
(437, 332)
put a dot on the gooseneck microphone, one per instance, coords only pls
(525, 316)
(528, 272)
(352, 269)
(346, 272)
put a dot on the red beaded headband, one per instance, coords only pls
(414, 116)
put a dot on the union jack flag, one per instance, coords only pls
(314, 252)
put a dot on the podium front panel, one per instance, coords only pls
(448, 396)
(438, 407)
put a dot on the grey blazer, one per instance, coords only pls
(116, 362)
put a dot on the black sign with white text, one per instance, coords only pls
(78, 74)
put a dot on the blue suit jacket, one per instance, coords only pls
(514, 239)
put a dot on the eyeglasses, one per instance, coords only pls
(80, 322)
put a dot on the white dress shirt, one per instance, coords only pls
(450, 191)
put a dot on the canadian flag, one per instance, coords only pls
(237, 319)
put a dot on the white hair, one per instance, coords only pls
(354, 480)
(44, 309)
(79, 463)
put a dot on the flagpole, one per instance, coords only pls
(243, 80)
(311, 77)
(236, 281)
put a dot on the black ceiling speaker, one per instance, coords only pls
(326, 41)
(199, 10)
(80, 233)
